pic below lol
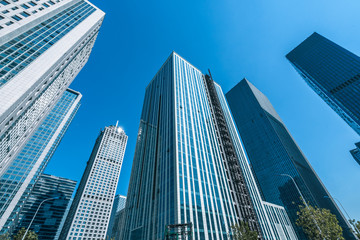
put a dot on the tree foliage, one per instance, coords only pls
(29, 236)
(325, 220)
(5, 236)
(242, 232)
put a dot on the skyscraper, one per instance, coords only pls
(189, 166)
(332, 72)
(90, 211)
(119, 204)
(356, 153)
(43, 46)
(51, 212)
(272, 151)
(23, 171)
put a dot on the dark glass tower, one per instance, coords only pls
(332, 72)
(272, 151)
(48, 219)
(356, 152)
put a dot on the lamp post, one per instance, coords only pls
(35, 215)
(344, 211)
(303, 199)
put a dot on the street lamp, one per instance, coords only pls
(303, 199)
(344, 211)
(35, 215)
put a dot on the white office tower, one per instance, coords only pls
(43, 46)
(90, 211)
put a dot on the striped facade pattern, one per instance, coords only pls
(90, 211)
(178, 173)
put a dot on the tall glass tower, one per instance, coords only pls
(19, 177)
(186, 168)
(51, 212)
(356, 152)
(90, 211)
(43, 46)
(272, 151)
(332, 72)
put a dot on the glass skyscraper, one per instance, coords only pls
(43, 46)
(47, 220)
(188, 166)
(89, 214)
(272, 151)
(113, 228)
(18, 179)
(356, 153)
(332, 72)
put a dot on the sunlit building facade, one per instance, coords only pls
(89, 214)
(43, 46)
(272, 152)
(20, 176)
(186, 169)
(333, 73)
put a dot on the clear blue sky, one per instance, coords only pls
(235, 39)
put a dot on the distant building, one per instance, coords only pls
(18, 179)
(43, 46)
(189, 166)
(115, 222)
(48, 219)
(332, 72)
(356, 153)
(272, 151)
(119, 204)
(90, 211)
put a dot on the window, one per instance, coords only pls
(4, 2)
(25, 6)
(25, 14)
(6, 11)
(8, 23)
(32, 3)
(16, 17)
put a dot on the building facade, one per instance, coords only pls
(20, 176)
(119, 222)
(43, 46)
(119, 204)
(356, 152)
(186, 170)
(272, 151)
(113, 228)
(332, 72)
(89, 215)
(46, 223)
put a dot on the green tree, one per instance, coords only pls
(5, 236)
(356, 227)
(325, 220)
(31, 235)
(242, 232)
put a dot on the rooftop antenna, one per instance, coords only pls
(117, 122)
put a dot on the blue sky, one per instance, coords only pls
(235, 39)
